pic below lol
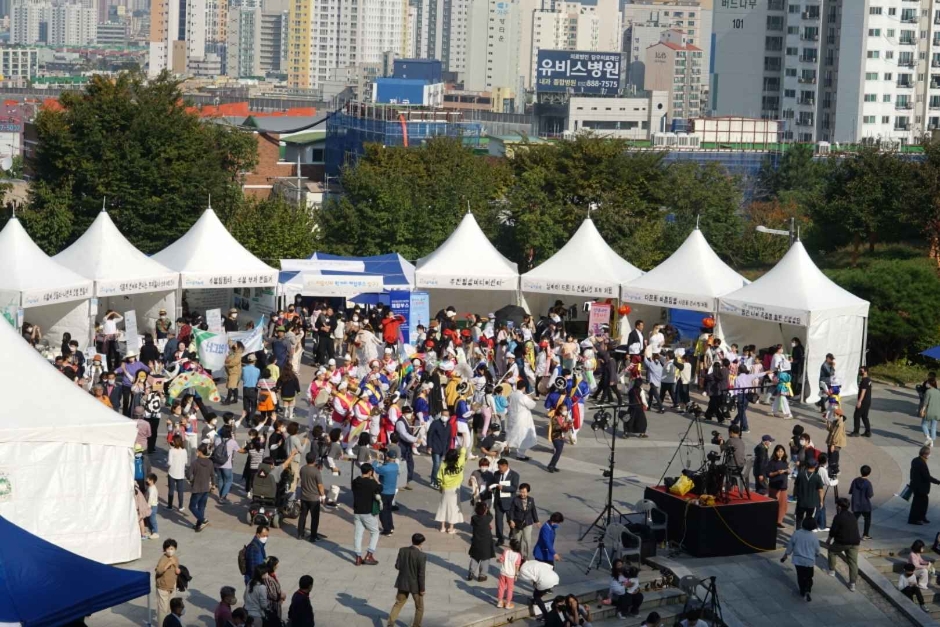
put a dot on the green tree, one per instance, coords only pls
(799, 176)
(555, 186)
(273, 229)
(709, 195)
(865, 200)
(905, 305)
(132, 141)
(409, 200)
(761, 249)
(923, 209)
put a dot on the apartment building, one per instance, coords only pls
(19, 62)
(675, 67)
(177, 36)
(831, 70)
(29, 22)
(645, 20)
(501, 32)
(71, 24)
(243, 43)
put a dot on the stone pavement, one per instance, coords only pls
(363, 595)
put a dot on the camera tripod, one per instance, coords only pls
(697, 423)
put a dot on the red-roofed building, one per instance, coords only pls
(675, 66)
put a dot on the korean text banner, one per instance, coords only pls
(576, 72)
(630, 294)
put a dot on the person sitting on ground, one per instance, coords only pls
(910, 587)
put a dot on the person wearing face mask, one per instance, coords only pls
(797, 365)
(167, 570)
(162, 325)
(230, 323)
(255, 554)
(129, 370)
(111, 390)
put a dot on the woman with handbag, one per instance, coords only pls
(276, 596)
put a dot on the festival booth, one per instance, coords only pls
(67, 470)
(360, 279)
(795, 299)
(584, 269)
(125, 278)
(35, 288)
(683, 289)
(467, 271)
(43, 585)
(216, 272)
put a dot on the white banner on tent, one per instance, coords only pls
(37, 298)
(467, 282)
(214, 320)
(572, 288)
(130, 331)
(341, 284)
(666, 299)
(250, 279)
(137, 286)
(335, 265)
(780, 315)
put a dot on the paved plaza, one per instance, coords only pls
(352, 596)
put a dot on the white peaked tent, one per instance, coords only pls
(585, 268)
(212, 264)
(467, 271)
(52, 295)
(795, 299)
(692, 278)
(125, 278)
(67, 469)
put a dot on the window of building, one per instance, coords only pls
(874, 10)
(874, 32)
(873, 54)
(871, 97)
(869, 119)
(871, 76)
(886, 98)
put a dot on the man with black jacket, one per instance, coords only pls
(844, 540)
(920, 486)
(523, 515)
(365, 489)
(301, 610)
(505, 485)
(761, 457)
(325, 325)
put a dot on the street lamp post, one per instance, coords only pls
(791, 233)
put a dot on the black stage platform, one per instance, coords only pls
(707, 531)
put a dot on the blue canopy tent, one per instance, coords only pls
(395, 271)
(933, 353)
(42, 584)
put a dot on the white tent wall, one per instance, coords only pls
(147, 306)
(842, 336)
(479, 302)
(78, 496)
(649, 314)
(59, 318)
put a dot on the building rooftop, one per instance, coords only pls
(673, 46)
(305, 137)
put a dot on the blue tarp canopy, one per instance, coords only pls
(42, 584)
(396, 272)
(933, 353)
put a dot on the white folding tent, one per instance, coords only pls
(467, 271)
(125, 278)
(67, 469)
(692, 278)
(213, 265)
(52, 295)
(585, 268)
(795, 299)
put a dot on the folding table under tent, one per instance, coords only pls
(586, 268)
(52, 295)
(67, 470)
(689, 282)
(359, 279)
(467, 271)
(795, 299)
(216, 272)
(125, 279)
(43, 585)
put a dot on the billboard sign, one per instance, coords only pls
(575, 72)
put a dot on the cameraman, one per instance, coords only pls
(735, 444)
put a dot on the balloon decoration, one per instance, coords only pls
(624, 310)
(708, 322)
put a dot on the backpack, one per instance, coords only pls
(220, 453)
(243, 560)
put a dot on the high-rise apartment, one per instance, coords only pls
(26, 21)
(832, 70)
(501, 32)
(440, 32)
(71, 24)
(243, 46)
(646, 20)
(177, 35)
(274, 25)
(675, 66)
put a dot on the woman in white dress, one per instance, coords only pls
(367, 348)
(522, 434)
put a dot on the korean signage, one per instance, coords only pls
(739, 4)
(251, 279)
(214, 320)
(467, 282)
(342, 284)
(574, 288)
(37, 298)
(137, 286)
(336, 265)
(130, 331)
(414, 307)
(600, 315)
(778, 315)
(666, 299)
(576, 72)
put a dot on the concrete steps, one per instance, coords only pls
(891, 564)
(590, 594)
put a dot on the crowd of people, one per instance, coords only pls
(462, 392)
